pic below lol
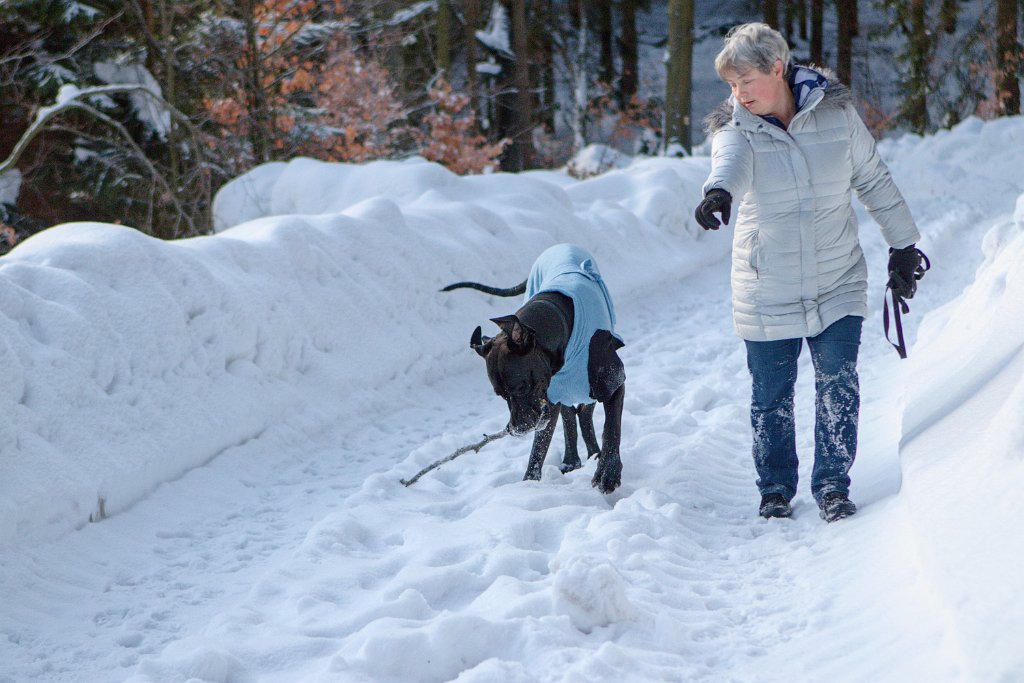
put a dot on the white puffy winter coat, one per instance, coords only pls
(797, 264)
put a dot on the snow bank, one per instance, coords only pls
(976, 163)
(129, 361)
(329, 267)
(963, 454)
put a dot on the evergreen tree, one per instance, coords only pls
(129, 156)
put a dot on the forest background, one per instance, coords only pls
(138, 111)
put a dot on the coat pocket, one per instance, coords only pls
(751, 245)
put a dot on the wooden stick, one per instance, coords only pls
(465, 449)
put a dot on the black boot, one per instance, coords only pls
(775, 505)
(835, 505)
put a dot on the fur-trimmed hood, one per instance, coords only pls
(837, 95)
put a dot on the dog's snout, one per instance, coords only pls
(526, 419)
(516, 430)
(523, 425)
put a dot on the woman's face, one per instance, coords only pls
(761, 93)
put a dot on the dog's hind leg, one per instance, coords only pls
(609, 466)
(541, 442)
(571, 458)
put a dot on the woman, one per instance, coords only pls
(789, 146)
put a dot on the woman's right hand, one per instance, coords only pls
(718, 201)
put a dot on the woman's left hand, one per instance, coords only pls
(903, 267)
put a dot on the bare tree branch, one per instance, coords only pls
(141, 155)
(74, 100)
(475, 447)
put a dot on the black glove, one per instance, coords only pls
(905, 270)
(715, 200)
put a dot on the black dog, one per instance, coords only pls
(558, 354)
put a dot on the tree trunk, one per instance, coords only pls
(628, 50)
(817, 29)
(520, 156)
(547, 64)
(771, 13)
(579, 127)
(680, 60)
(1008, 55)
(606, 39)
(171, 95)
(256, 103)
(471, 11)
(443, 40)
(915, 108)
(846, 11)
(948, 15)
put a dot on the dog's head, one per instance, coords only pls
(518, 371)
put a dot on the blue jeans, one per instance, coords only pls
(773, 367)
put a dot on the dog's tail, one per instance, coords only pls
(487, 289)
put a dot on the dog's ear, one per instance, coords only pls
(479, 343)
(520, 337)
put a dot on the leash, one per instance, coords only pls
(899, 304)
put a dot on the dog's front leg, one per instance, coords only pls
(571, 457)
(586, 415)
(609, 467)
(541, 442)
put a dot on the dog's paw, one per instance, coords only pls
(531, 475)
(608, 476)
(571, 465)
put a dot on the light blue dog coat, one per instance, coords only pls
(571, 270)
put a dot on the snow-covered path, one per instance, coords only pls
(243, 406)
(266, 565)
(89, 605)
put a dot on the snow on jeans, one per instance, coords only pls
(773, 367)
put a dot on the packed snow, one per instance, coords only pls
(199, 477)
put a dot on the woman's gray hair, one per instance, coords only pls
(752, 46)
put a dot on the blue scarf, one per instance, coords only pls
(802, 81)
